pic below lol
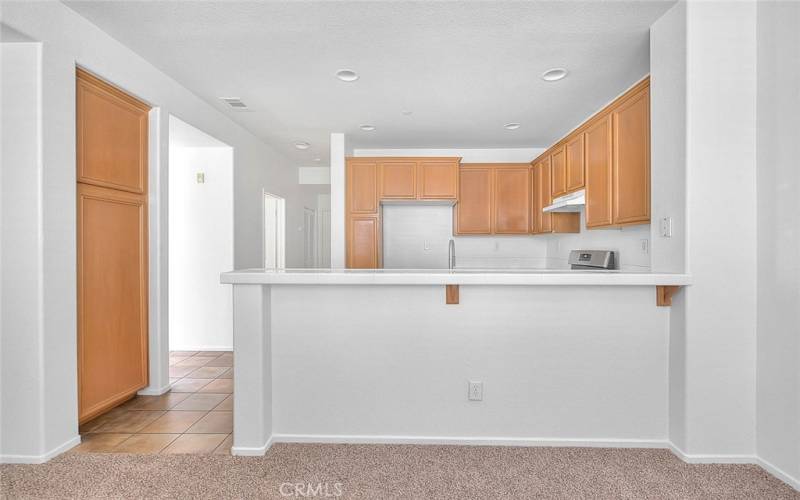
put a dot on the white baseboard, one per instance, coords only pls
(201, 348)
(155, 391)
(244, 451)
(40, 459)
(471, 441)
(779, 473)
(690, 458)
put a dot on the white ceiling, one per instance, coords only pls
(464, 69)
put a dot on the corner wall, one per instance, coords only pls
(778, 184)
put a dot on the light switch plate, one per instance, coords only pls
(666, 227)
(201, 177)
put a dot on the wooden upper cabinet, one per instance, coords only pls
(512, 198)
(473, 212)
(575, 163)
(438, 179)
(111, 135)
(598, 173)
(398, 179)
(558, 166)
(631, 159)
(362, 187)
(545, 196)
(363, 241)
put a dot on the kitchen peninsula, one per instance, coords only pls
(562, 357)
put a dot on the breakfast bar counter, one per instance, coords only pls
(352, 355)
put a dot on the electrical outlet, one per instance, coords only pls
(644, 245)
(475, 391)
(666, 227)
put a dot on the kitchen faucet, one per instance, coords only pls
(451, 254)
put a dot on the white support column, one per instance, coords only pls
(252, 381)
(337, 200)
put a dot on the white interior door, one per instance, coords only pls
(274, 231)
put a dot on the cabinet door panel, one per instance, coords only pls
(536, 180)
(512, 199)
(474, 208)
(111, 136)
(545, 197)
(362, 187)
(438, 180)
(598, 173)
(575, 163)
(631, 164)
(112, 297)
(399, 179)
(363, 243)
(558, 169)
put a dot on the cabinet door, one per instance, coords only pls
(362, 252)
(536, 180)
(575, 163)
(598, 173)
(545, 196)
(111, 136)
(438, 179)
(558, 169)
(512, 198)
(362, 187)
(474, 208)
(631, 163)
(112, 297)
(398, 179)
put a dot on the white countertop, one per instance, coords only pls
(449, 277)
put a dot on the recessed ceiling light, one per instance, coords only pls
(367, 128)
(554, 75)
(347, 75)
(511, 126)
(302, 145)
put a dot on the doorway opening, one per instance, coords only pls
(200, 239)
(274, 231)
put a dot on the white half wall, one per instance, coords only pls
(402, 372)
(200, 248)
(778, 181)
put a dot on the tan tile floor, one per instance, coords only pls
(196, 416)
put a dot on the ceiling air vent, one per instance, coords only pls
(235, 103)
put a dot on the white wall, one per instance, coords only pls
(200, 248)
(486, 155)
(778, 181)
(602, 375)
(24, 431)
(314, 175)
(668, 139)
(68, 39)
(712, 414)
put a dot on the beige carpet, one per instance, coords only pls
(393, 471)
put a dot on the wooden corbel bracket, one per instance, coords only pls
(451, 294)
(664, 294)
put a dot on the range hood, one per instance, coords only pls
(572, 202)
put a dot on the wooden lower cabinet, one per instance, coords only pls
(363, 242)
(112, 297)
(512, 200)
(473, 212)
